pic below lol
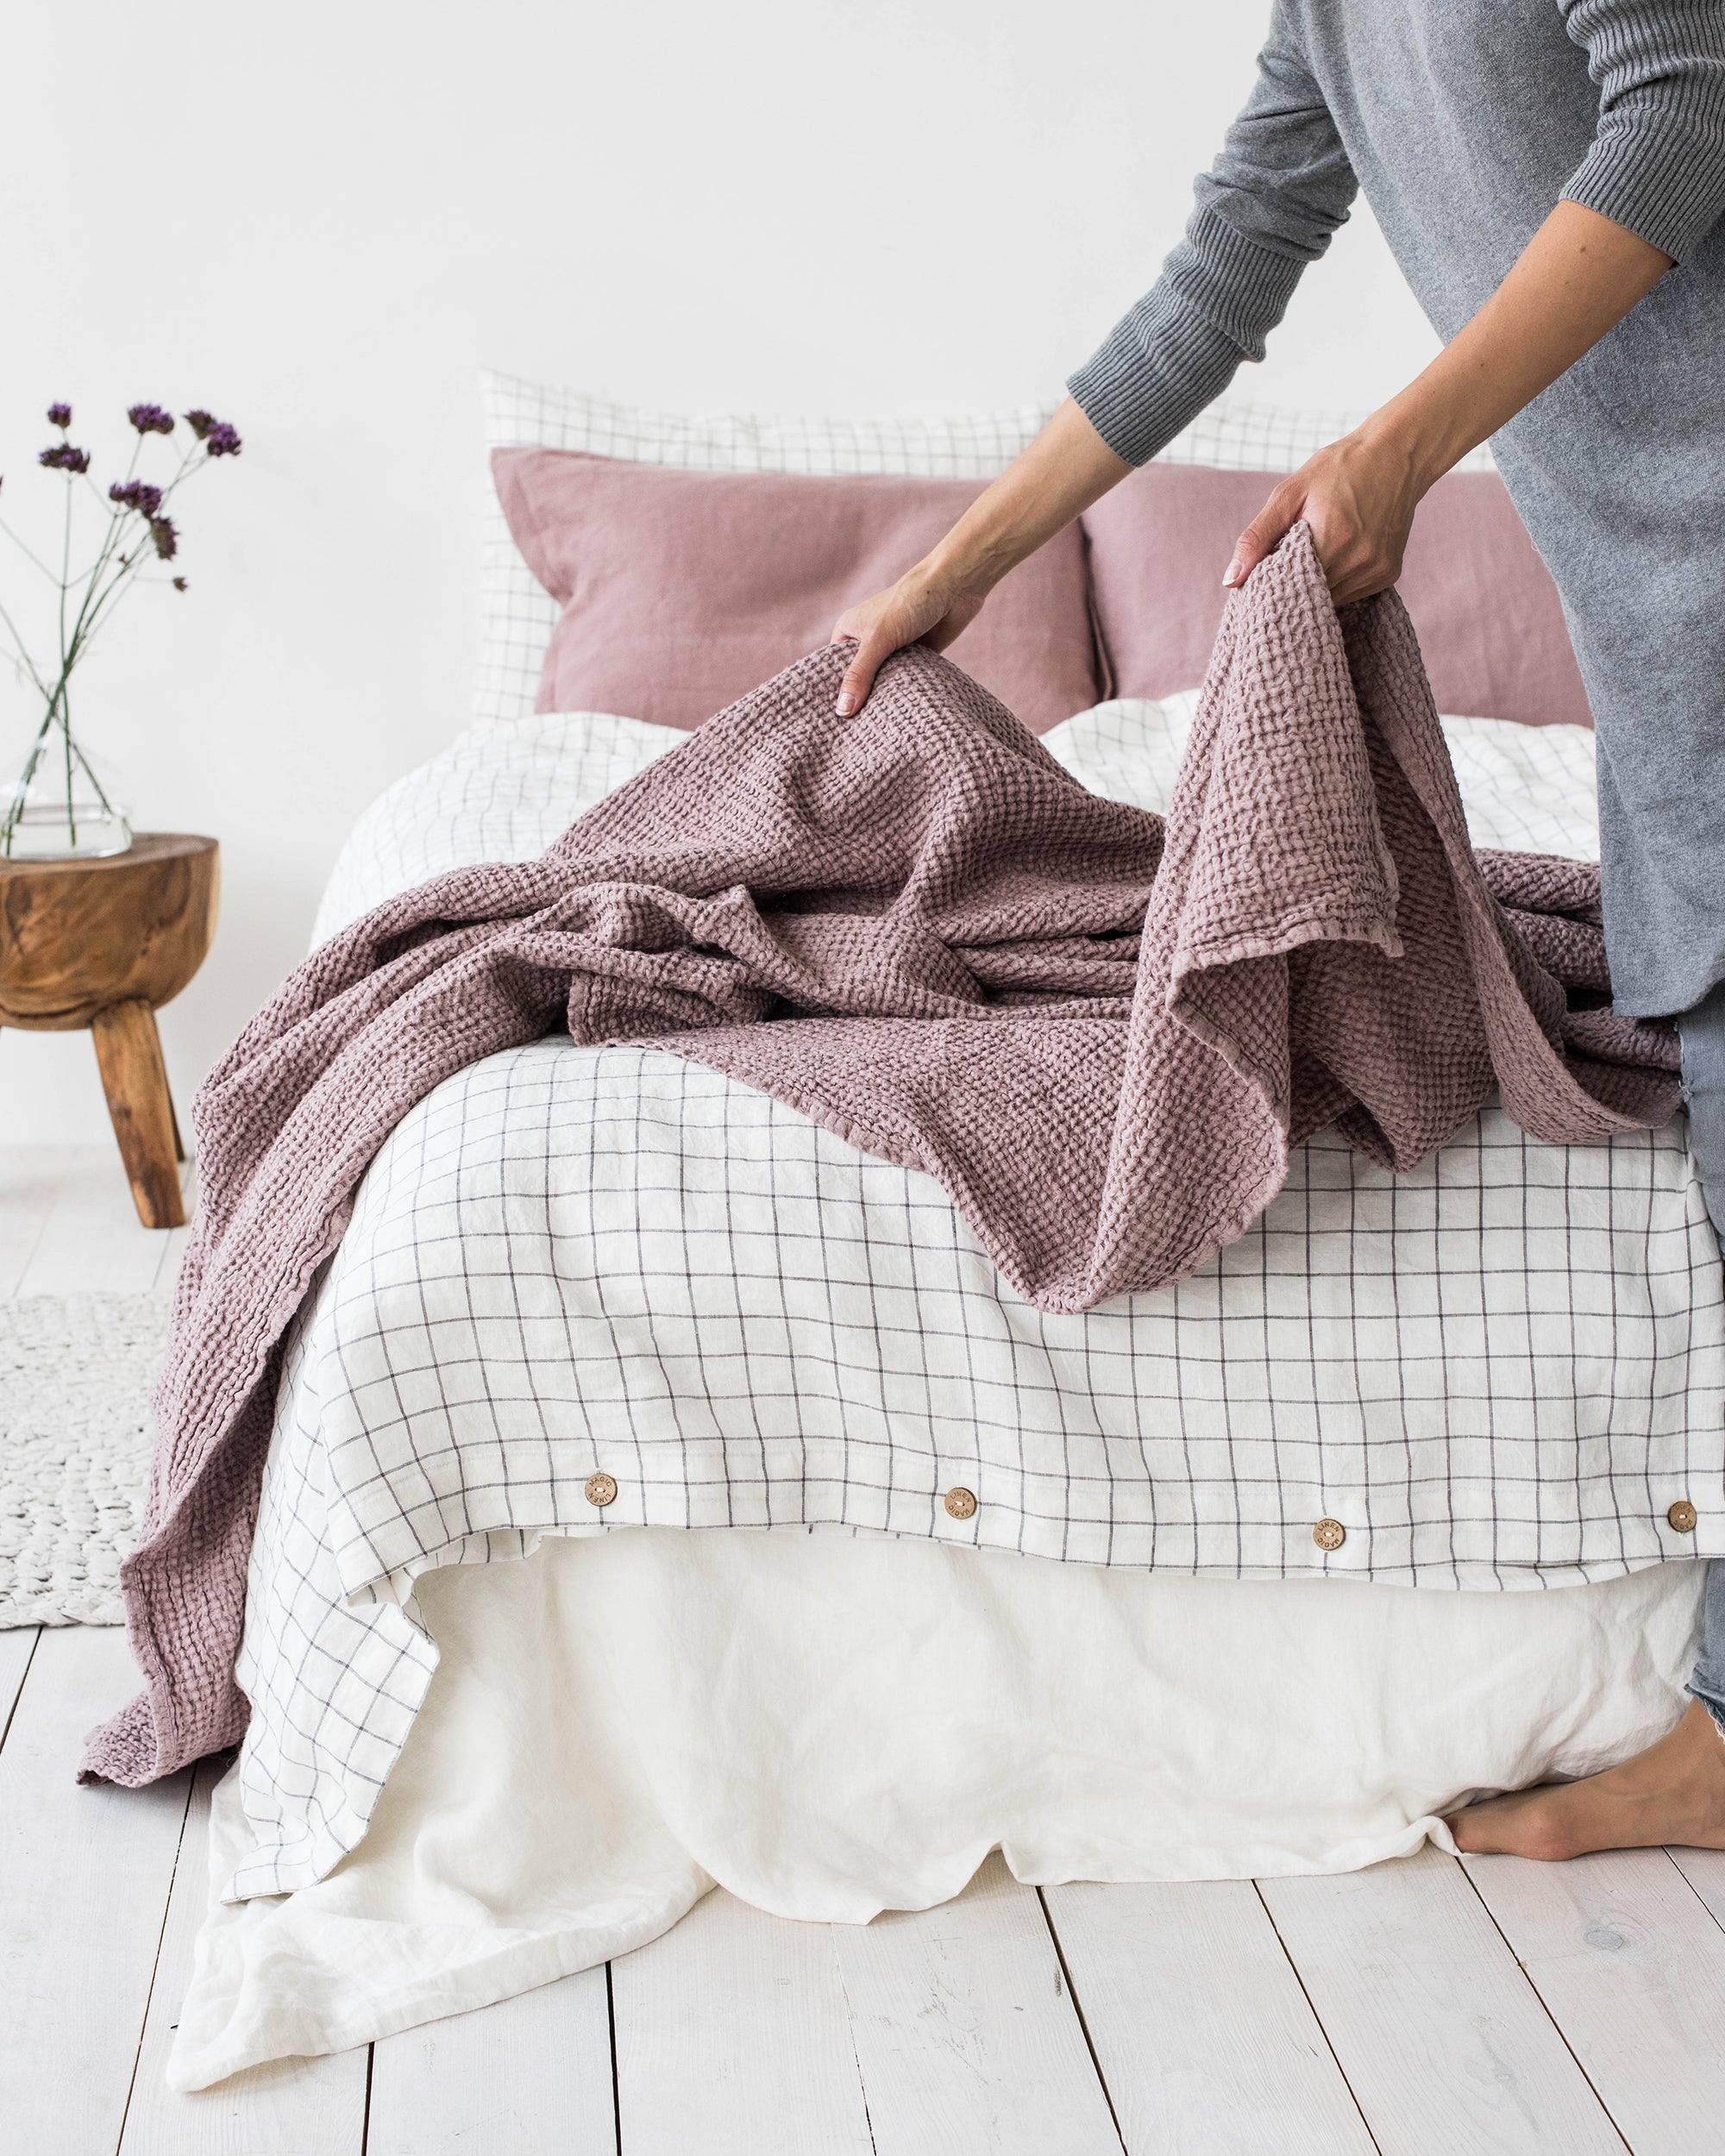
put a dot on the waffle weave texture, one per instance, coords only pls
(1100, 1034)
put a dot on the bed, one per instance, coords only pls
(662, 1492)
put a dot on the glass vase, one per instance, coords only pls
(59, 809)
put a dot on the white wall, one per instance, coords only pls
(321, 219)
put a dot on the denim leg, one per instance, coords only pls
(1706, 1681)
(1702, 1032)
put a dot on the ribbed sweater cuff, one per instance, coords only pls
(1154, 374)
(1219, 296)
(1665, 183)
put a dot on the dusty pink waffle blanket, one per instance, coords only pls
(1100, 1036)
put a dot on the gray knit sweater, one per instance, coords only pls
(1466, 121)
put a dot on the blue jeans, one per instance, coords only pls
(1702, 1032)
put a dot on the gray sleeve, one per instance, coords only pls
(1268, 206)
(1657, 162)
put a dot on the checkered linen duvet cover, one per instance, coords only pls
(1501, 1370)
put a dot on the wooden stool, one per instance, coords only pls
(104, 944)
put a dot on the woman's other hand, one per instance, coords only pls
(920, 608)
(1359, 495)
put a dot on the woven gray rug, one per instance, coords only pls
(75, 1374)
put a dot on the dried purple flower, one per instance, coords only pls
(179, 584)
(137, 494)
(150, 418)
(60, 416)
(200, 422)
(64, 458)
(166, 538)
(223, 440)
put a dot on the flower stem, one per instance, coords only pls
(101, 791)
(70, 812)
(64, 571)
(28, 664)
(28, 551)
(15, 807)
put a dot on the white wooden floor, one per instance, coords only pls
(1418, 2008)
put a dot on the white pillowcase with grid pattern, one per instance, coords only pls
(517, 614)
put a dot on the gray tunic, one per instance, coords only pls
(1465, 122)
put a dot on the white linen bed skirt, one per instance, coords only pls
(831, 1726)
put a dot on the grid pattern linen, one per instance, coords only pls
(498, 793)
(1498, 1371)
(517, 614)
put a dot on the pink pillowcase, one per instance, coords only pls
(681, 591)
(1490, 621)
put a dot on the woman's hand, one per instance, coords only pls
(1358, 496)
(922, 607)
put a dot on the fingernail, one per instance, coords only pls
(1233, 575)
(846, 705)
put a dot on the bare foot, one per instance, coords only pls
(1673, 1791)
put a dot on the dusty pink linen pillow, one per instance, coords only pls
(681, 589)
(1490, 621)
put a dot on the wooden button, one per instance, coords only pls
(960, 1502)
(1683, 1516)
(1329, 1534)
(601, 1488)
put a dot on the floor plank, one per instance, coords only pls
(293, 2108)
(966, 2034)
(30, 1181)
(1444, 2042)
(92, 1242)
(1632, 1968)
(87, 1873)
(1705, 1869)
(1205, 2038)
(529, 2075)
(16, 1649)
(733, 2039)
